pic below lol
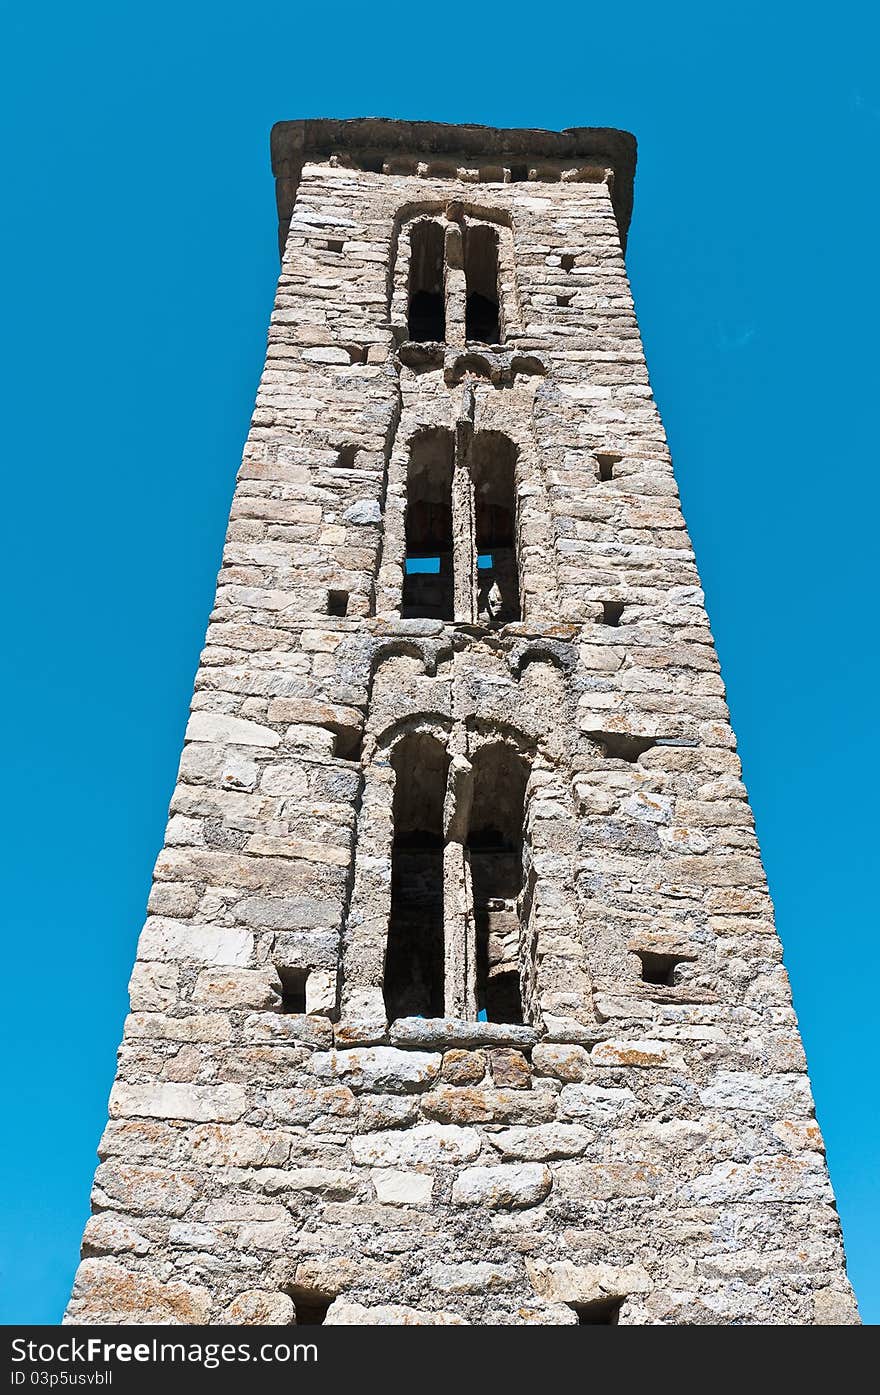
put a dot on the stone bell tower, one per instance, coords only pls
(459, 999)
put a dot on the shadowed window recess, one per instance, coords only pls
(427, 298)
(414, 962)
(428, 570)
(493, 469)
(495, 853)
(482, 320)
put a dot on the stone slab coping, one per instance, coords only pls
(449, 1031)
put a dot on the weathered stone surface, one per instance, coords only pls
(345, 1313)
(542, 1142)
(565, 1282)
(472, 1277)
(167, 1101)
(396, 1188)
(441, 1032)
(463, 1067)
(567, 1063)
(426, 1144)
(379, 1068)
(774, 1094)
(206, 944)
(233, 731)
(596, 1104)
(106, 1292)
(640, 1053)
(260, 1307)
(506, 1186)
(531, 809)
(510, 1069)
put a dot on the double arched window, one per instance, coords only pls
(459, 903)
(453, 287)
(461, 529)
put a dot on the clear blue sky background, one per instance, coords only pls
(139, 261)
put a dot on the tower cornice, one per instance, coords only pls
(376, 141)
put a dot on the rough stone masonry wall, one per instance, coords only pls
(650, 1142)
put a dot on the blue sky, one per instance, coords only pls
(138, 245)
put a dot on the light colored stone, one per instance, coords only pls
(214, 726)
(205, 944)
(425, 1145)
(542, 1142)
(259, 1308)
(396, 1188)
(477, 1277)
(106, 1292)
(167, 1101)
(345, 1313)
(506, 1186)
(379, 1068)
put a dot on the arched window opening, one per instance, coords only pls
(427, 302)
(482, 323)
(428, 568)
(414, 962)
(495, 852)
(493, 465)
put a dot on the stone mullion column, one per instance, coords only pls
(455, 287)
(458, 916)
(463, 520)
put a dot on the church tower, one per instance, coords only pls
(459, 999)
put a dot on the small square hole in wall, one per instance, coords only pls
(293, 989)
(337, 603)
(564, 300)
(346, 458)
(606, 466)
(567, 261)
(603, 1312)
(334, 244)
(612, 611)
(519, 174)
(660, 968)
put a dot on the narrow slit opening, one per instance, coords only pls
(606, 466)
(493, 466)
(495, 854)
(482, 319)
(293, 989)
(427, 297)
(428, 566)
(414, 959)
